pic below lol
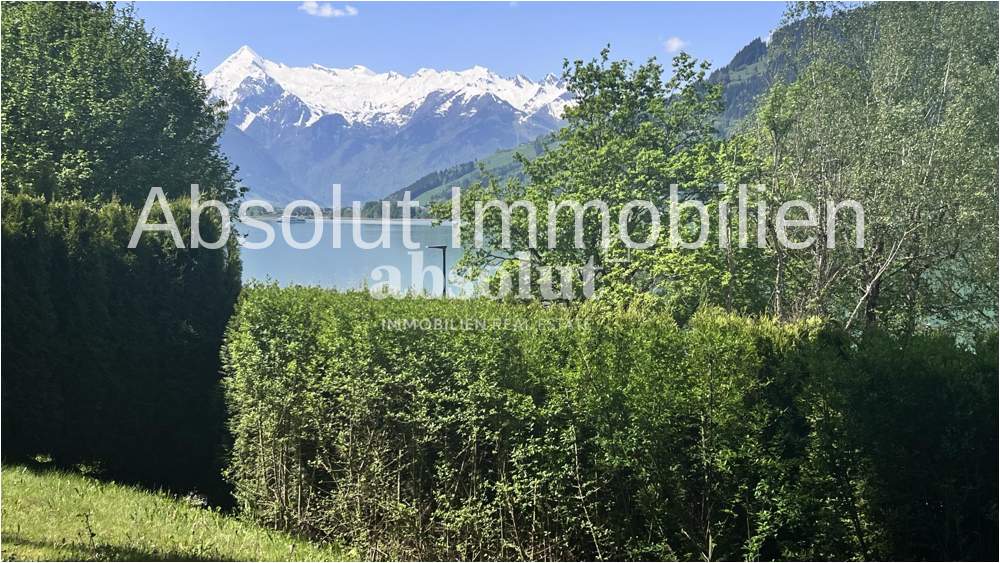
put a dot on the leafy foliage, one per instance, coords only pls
(587, 432)
(912, 92)
(912, 89)
(95, 105)
(629, 136)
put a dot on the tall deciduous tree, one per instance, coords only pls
(630, 134)
(896, 109)
(94, 105)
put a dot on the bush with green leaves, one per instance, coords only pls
(475, 429)
(110, 354)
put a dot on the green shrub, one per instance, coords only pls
(110, 355)
(580, 433)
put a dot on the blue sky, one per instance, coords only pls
(508, 37)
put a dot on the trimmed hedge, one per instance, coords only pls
(110, 355)
(486, 430)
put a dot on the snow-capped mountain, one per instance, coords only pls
(295, 130)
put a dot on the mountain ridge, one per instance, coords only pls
(294, 131)
(361, 95)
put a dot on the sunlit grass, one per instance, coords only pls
(52, 515)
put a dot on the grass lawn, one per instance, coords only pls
(52, 515)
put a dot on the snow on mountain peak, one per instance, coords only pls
(246, 51)
(362, 95)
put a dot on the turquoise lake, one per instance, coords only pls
(347, 267)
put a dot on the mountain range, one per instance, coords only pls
(294, 131)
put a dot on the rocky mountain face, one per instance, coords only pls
(295, 131)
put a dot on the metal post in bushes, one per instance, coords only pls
(444, 266)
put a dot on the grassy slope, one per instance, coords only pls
(500, 164)
(52, 515)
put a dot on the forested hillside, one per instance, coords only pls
(502, 164)
(753, 71)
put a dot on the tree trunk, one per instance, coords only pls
(871, 304)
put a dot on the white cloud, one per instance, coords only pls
(674, 44)
(326, 10)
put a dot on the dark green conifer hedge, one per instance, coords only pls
(110, 354)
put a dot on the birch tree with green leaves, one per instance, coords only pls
(897, 110)
(631, 132)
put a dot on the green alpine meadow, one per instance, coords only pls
(666, 281)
